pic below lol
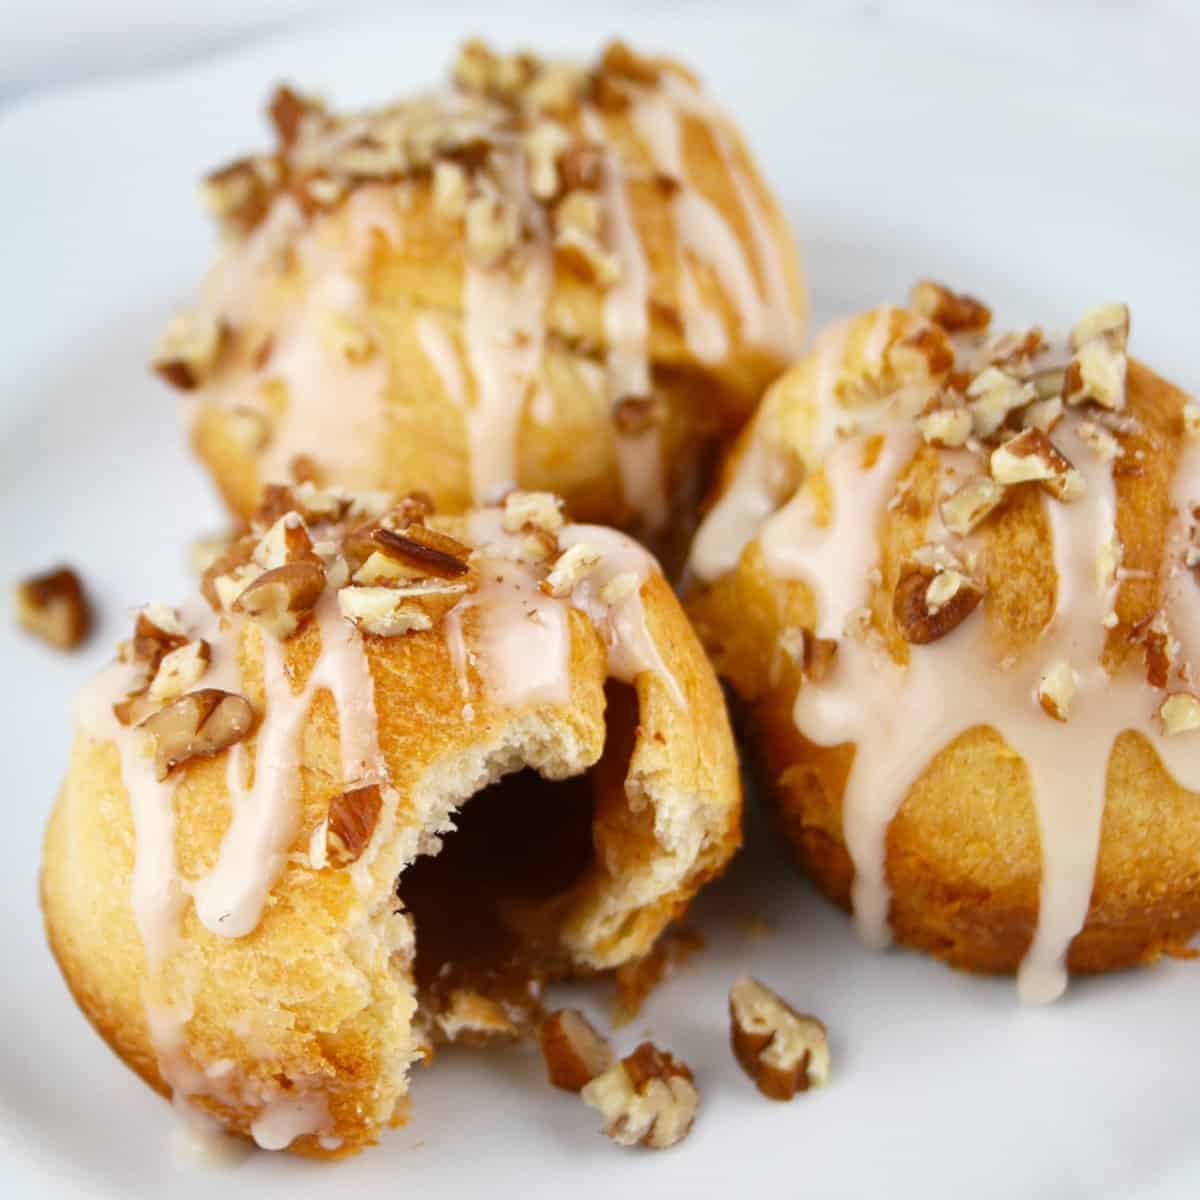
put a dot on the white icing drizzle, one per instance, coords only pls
(704, 235)
(505, 328)
(332, 403)
(627, 364)
(900, 718)
(776, 324)
(520, 640)
(443, 358)
(734, 521)
(229, 899)
(288, 1116)
(632, 649)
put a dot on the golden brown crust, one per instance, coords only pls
(319, 996)
(411, 262)
(963, 854)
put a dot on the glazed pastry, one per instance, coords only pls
(391, 774)
(541, 276)
(950, 575)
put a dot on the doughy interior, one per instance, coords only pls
(487, 908)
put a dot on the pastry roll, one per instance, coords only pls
(950, 573)
(390, 774)
(540, 276)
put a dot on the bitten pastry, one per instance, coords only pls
(541, 276)
(392, 773)
(951, 575)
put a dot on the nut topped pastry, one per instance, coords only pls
(950, 572)
(390, 773)
(548, 276)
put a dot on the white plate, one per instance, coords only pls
(1044, 191)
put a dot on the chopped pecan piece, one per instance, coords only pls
(648, 1099)
(574, 1053)
(781, 1050)
(928, 607)
(953, 311)
(197, 725)
(425, 551)
(351, 823)
(188, 351)
(54, 607)
(281, 597)
(1031, 457)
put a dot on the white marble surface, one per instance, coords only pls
(1108, 44)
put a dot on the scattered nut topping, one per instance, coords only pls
(635, 415)
(953, 311)
(239, 194)
(157, 631)
(925, 354)
(408, 510)
(533, 545)
(1160, 651)
(946, 427)
(180, 670)
(578, 210)
(544, 144)
(189, 349)
(1098, 440)
(583, 253)
(345, 337)
(582, 167)
(1031, 457)
(491, 226)
(449, 190)
(1097, 369)
(205, 551)
(648, 1099)
(573, 565)
(279, 599)
(918, 622)
(994, 394)
(967, 508)
(351, 822)
(475, 66)
(1179, 713)
(574, 1053)
(815, 656)
(620, 60)
(312, 503)
(197, 725)
(556, 89)
(55, 608)
(1016, 351)
(425, 551)
(942, 589)
(1043, 414)
(382, 611)
(1056, 689)
(1104, 321)
(288, 110)
(228, 587)
(1108, 561)
(541, 510)
(285, 542)
(782, 1051)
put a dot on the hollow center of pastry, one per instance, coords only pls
(487, 909)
